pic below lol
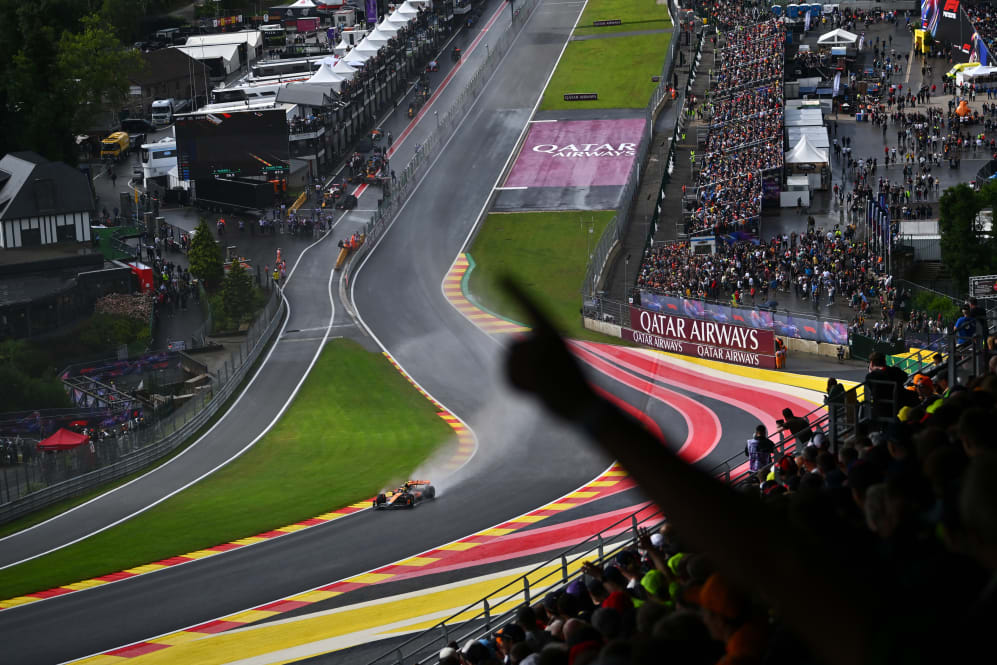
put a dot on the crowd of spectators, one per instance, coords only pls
(873, 543)
(744, 109)
(900, 516)
(984, 18)
(820, 266)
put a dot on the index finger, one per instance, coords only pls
(541, 324)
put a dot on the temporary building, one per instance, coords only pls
(806, 160)
(368, 48)
(302, 4)
(344, 70)
(377, 37)
(63, 439)
(838, 37)
(976, 72)
(326, 74)
(400, 20)
(805, 153)
(358, 56)
(803, 117)
(388, 28)
(407, 9)
(817, 136)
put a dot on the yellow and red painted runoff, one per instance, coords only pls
(454, 288)
(466, 442)
(445, 557)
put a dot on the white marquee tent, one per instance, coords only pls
(388, 28)
(344, 69)
(838, 37)
(378, 37)
(407, 9)
(805, 153)
(326, 74)
(358, 56)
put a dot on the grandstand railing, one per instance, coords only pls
(500, 606)
(44, 479)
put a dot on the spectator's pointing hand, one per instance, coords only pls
(541, 364)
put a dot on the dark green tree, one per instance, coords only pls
(237, 294)
(205, 256)
(966, 250)
(95, 70)
(56, 71)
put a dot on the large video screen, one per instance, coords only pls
(243, 143)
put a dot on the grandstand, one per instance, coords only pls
(857, 504)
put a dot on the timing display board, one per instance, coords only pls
(232, 144)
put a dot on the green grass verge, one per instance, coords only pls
(618, 69)
(546, 253)
(355, 427)
(635, 14)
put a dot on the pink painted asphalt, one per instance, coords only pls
(577, 153)
(703, 428)
(763, 404)
(557, 537)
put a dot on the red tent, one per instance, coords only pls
(63, 439)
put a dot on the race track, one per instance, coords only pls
(524, 459)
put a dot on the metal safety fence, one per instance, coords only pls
(31, 480)
(500, 606)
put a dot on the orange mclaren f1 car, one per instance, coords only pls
(406, 496)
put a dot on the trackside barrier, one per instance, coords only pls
(447, 123)
(26, 488)
(499, 607)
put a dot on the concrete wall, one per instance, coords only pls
(810, 346)
(604, 327)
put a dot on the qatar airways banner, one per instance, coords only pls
(577, 153)
(699, 350)
(705, 339)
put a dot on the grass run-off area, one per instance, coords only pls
(546, 253)
(635, 15)
(355, 427)
(619, 69)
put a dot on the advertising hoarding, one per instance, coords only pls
(704, 339)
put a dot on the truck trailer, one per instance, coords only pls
(163, 110)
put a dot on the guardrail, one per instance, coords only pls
(427, 151)
(25, 488)
(499, 607)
